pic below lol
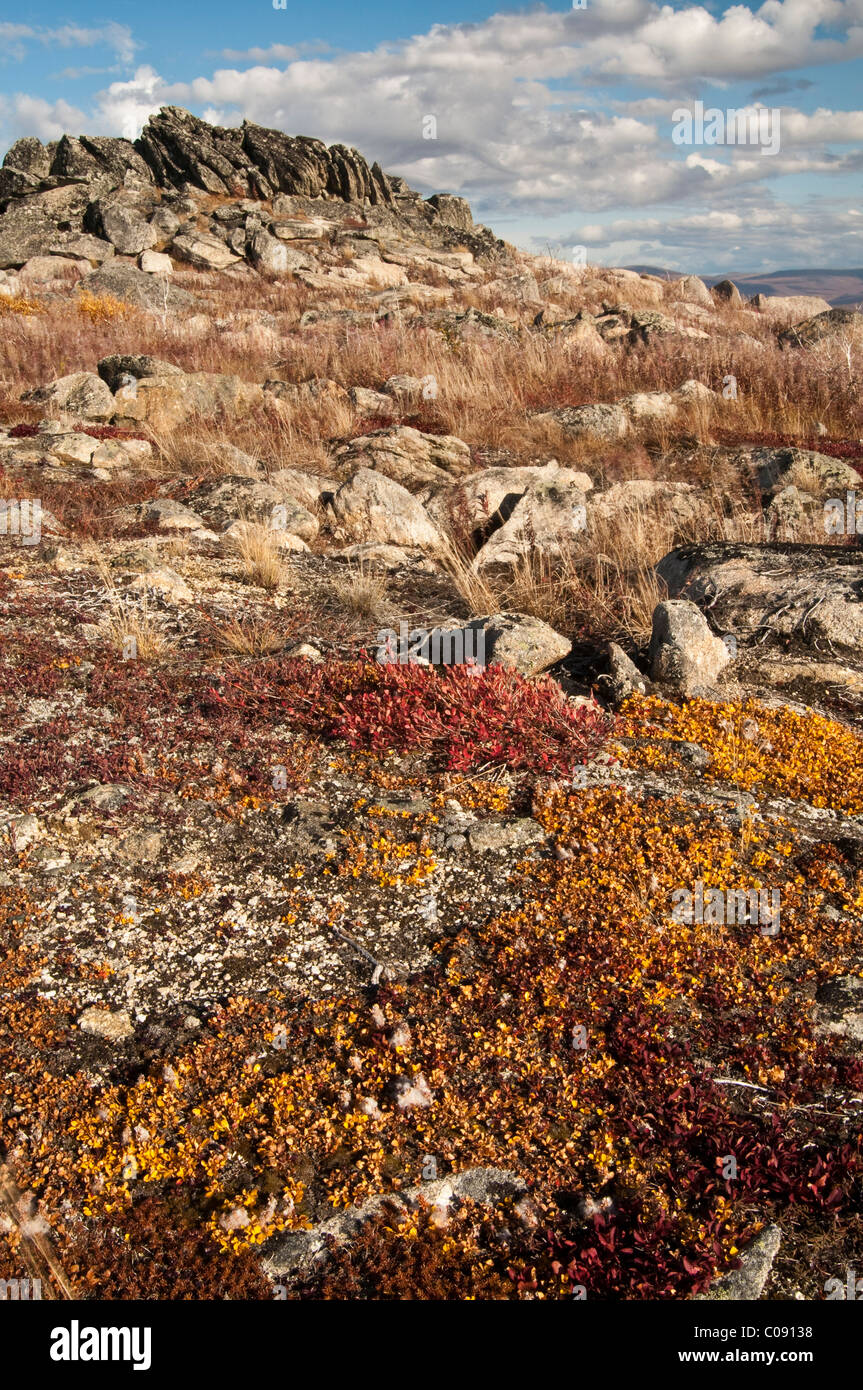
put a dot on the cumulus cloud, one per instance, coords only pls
(721, 240)
(48, 120)
(117, 37)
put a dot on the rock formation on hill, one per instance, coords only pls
(93, 195)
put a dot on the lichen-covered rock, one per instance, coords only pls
(112, 1026)
(166, 400)
(549, 518)
(747, 1283)
(408, 456)
(684, 652)
(83, 394)
(119, 365)
(520, 641)
(202, 250)
(245, 498)
(130, 285)
(839, 325)
(372, 507)
(810, 594)
(609, 422)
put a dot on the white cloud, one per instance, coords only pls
(26, 115)
(275, 53)
(720, 241)
(117, 37)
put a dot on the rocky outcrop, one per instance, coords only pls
(806, 596)
(176, 148)
(841, 324)
(521, 642)
(94, 197)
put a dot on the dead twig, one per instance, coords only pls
(37, 1248)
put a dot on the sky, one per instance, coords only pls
(564, 124)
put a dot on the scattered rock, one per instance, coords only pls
(238, 497)
(21, 832)
(808, 593)
(372, 507)
(156, 263)
(747, 1283)
(166, 401)
(408, 456)
(692, 289)
(204, 251)
(522, 642)
(410, 1092)
(840, 325)
(491, 836)
(777, 306)
(166, 583)
(609, 422)
(623, 678)
(81, 394)
(547, 519)
(728, 293)
(839, 1008)
(113, 1027)
(117, 368)
(683, 651)
(153, 293)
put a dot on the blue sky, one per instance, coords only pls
(556, 122)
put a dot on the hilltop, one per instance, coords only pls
(841, 288)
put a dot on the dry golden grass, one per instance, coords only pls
(488, 389)
(259, 555)
(19, 304)
(807, 479)
(104, 308)
(131, 624)
(361, 591)
(136, 631)
(605, 584)
(247, 637)
(479, 596)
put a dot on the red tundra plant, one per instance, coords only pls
(466, 716)
(94, 431)
(488, 715)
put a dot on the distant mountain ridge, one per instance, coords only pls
(841, 288)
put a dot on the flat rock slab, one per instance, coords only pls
(810, 594)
